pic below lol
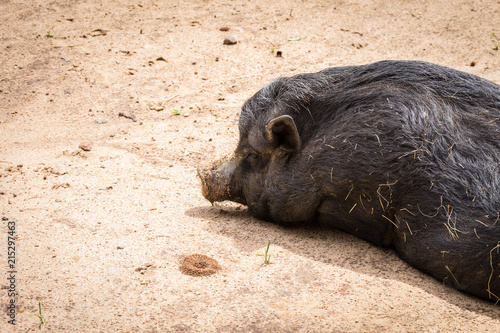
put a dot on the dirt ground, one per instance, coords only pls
(100, 234)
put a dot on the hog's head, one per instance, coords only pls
(248, 176)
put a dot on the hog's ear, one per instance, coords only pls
(282, 131)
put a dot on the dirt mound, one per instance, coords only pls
(199, 265)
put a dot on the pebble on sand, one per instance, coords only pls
(85, 145)
(230, 40)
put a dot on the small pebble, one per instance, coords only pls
(156, 108)
(230, 40)
(85, 145)
(101, 121)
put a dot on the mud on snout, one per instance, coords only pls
(216, 180)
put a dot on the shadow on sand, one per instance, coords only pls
(332, 247)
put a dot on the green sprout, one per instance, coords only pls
(40, 316)
(496, 41)
(49, 35)
(267, 254)
(176, 112)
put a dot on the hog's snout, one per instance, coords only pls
(213, 186)
(217, 182)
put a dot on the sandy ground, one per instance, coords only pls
(100, 235)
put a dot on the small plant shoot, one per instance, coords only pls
(267, 254)
(40, 316)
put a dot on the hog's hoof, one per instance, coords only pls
(199, 265)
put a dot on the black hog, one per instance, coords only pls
(399, 153)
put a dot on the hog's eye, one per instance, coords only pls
(253, 159)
